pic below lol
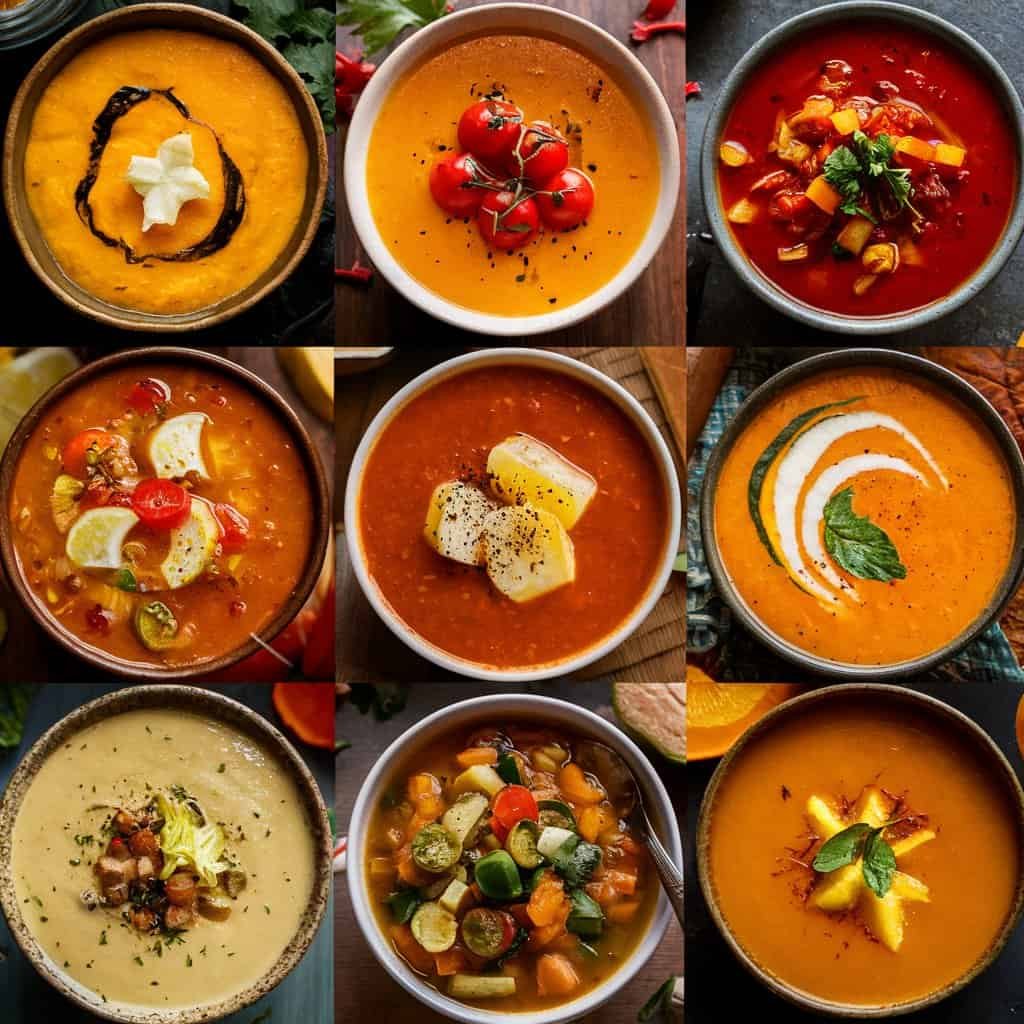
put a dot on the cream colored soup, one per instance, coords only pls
(120, 761)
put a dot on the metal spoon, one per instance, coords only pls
(624, 795)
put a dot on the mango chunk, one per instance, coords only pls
(884, 917)
(840, 889)
(455, 521)
(907, 887)
(527, 551)
(872, 807)
(823, 818)
(901, 847)
(524, 470)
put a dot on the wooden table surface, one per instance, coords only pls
(368, 651)
(650, 313)
(28, 655)
(304, 997)
(363, 991)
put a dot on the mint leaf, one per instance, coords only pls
(380, 21)
(857, 545)
(841, 849)
(879, 863)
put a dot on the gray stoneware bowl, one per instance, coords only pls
(201, 702)
(765, 395)
(859, 10)
(971, 732)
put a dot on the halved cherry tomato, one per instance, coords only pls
(507, 224)
(85, 448)
(161, 504)
(567, 200)
(234, 528)
(490, 130)
(146, 395)
(512, 804)
(499, 830)
(542, 153)
(457, 184)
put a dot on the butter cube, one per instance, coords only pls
(524, 470)
(455, 521)
(528, 552)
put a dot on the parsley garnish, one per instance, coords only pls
(380, 21)
(853, 170)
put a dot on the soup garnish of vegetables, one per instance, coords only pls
(503, 874)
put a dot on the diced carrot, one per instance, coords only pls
(424, 791)
(621, 881)
(418, 958)
(823, 195)
(477, 755)
(548, 902)
(451, 961)
(575, 786)
(408, 870)
(544, 936)
(591, 820)
(620, 913)
(603, 892)
(555, 975)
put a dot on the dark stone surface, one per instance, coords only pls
(722, 311)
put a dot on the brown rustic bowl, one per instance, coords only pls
(27, 232)
(197, 701)
(971, 732)
(319, 493)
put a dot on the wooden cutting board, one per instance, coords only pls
(705, 370)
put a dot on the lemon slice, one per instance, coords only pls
(175, 447)
(24, 380)
(192, 547)
(95, 541)
(311, 370)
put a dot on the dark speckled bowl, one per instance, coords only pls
(200, 702)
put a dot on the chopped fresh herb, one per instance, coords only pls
(103, 937)
(658, 1005)
(380, 21)
(125, 579)
(856, 171)
(861, 548)
(14, 702)
(220, 768)
(138, 960)
(188, 960)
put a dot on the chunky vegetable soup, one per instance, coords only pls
(502, 873)
(161, 514)
(867, 171)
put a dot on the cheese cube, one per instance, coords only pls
(524, 470)
(455, 521)
(527, 551)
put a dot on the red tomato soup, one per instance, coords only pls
(796, 180)
(446, 433)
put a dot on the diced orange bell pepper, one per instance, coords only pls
(823, 195)
(477, 755)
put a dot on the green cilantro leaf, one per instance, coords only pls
(380, 21)
(861, 548)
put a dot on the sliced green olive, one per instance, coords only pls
(156, 626)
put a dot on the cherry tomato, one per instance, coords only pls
(490, 130)
(499, 830)
(161, 504)
(84, 449)
(542, 153)
(506, 224)
(455, 184)
(512, 804)
(234, 527)
(567, 200)
(147, 395)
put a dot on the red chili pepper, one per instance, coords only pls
(658, 9)
(350, 77)
(693, 89)
(357, 272)
(641, 32)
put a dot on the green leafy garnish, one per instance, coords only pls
(188, 840)
(878, 862)
(125, 580)
(658, 1005)
(854, 170)
(380, 21)
(576, 860)
(14, 701)
(858, 546)
(841, 849)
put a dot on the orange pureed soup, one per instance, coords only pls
(762, 837)
(446, 433)
(866, 516)
(610, 139)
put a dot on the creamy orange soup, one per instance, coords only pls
(610, 139)
(884, 523)
(762, 841)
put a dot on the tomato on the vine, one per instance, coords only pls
(161, 504)
(458, 184)
(541, 154)
(507, 223)
(567, 200)
(490, 131)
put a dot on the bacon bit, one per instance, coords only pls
(350, 77)
(357, 272)
(693, 89)
(658, 9)
(641, 32)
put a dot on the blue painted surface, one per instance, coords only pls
(305, 997)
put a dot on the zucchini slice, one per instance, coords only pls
(435, 849)
(464, 818)
(434, 928)
(522, 844)
(554, 812)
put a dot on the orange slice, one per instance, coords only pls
(308, 711)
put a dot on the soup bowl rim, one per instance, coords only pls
(510, 16)
(553, 711)
(277, 408)
(952, 718)
(187, 700)
(604, 386)
(972, 52)
(871, 358)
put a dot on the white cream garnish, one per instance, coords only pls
(167, 181)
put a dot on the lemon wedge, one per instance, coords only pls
(192, 547)
(95, 541)
(26, 379)
(175, 447)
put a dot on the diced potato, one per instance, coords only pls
(917, 149)
(733, 154)
(815, 108)
(881, 258)
(949, 156)
(481, 778)
(909, 888)
(525, 471)
(457, 897)
(863, 283)
(455, 521)
(839, 889)
(910, 253)
(855, 235)
(528, 552)
(884, 917)
(793, 253)
(901, 847)
(743, 211)
(845, 122)
(823, 195)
